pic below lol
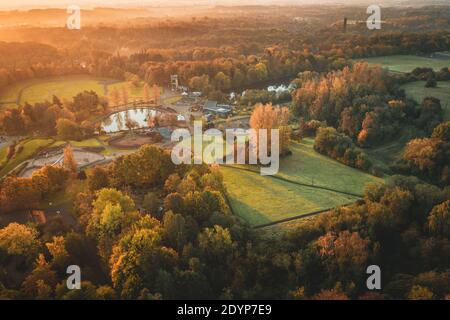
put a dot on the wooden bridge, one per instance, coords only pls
(139, 104)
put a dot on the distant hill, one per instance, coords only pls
(28, 4)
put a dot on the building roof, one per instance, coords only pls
(210, 105)
(213, 106)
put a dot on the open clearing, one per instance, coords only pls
(388, 153)
(260, 200)
(407, 63)
(65, 87)
(417, 91)
(307, 166)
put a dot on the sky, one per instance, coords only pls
(26, 4)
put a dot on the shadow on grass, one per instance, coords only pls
(247, 213)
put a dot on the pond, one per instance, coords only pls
(130, 119)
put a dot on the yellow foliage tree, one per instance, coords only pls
(69, 159)
(269, 117)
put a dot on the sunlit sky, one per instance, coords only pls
(27, 4)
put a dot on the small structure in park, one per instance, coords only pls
(212, 107)
(174, 82)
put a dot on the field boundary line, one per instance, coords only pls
(228, 202)
(299, 183)
(299, 217)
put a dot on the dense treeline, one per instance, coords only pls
(400, 226)
(146, 229)
(29, 60)
(178, 240)
(29, 193)
(428, 158)
(50, 118)
(363, 103)
(340, 147)
(208, 54)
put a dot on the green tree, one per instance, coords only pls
(97, 178)
(175, 232)
(138, 261)
(442, 132)
(420, 293)
(151, 203)
(69, 130)
(40, 283)
(18, 239)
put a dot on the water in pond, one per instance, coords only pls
(124, 120)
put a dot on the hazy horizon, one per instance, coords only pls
(30, 4)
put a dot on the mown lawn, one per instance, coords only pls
(79, 144)
(3, 151)
(86, 143)
(407, 63)
(417, 91)
(64, 87)
(259, 200)
(305, 165)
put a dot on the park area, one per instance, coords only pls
(307, 183)
(31, 154)
(407, 63)
(64, 87)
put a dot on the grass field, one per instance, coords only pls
(407, 63)
(260, 200)
(305, 165)
(65, 87)
(3, 151)
(86, 143)
(417, 91)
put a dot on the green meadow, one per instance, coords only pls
(417, 91)
(407, 63)
(304, 185)
(65, 88)
(259, 200)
